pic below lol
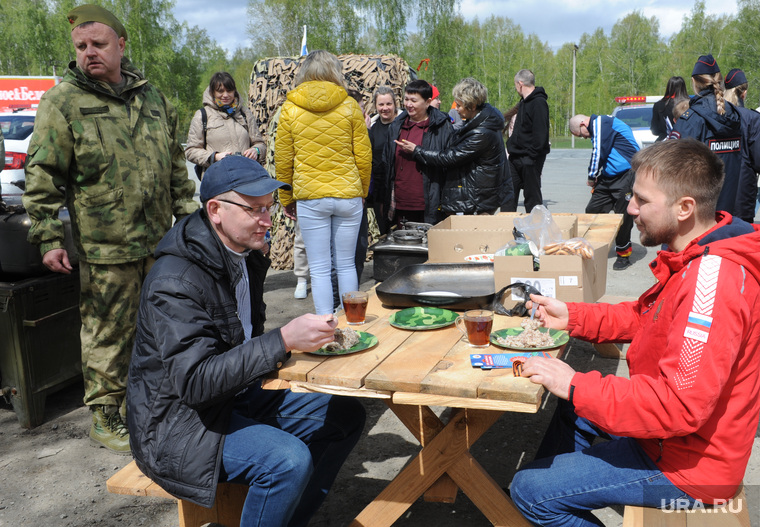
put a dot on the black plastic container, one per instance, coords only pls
(39, 341)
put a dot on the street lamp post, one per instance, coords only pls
(572, 137)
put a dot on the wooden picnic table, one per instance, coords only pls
(414, 370)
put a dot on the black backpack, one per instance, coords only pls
(204, 120)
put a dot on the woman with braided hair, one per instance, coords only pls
(736, 93)
(716, 122)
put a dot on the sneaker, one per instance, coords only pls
(108, 430)
(622, 262)
(300, 290)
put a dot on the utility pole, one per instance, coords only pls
(572, 114)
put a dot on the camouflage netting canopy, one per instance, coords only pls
(273, 78)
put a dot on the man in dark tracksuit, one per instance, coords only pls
(609, 173)
(529, 143)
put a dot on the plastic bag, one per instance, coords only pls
(539, 227)
(578, 246)
(517, 292)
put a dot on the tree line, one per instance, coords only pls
(632, 59)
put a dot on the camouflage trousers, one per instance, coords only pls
(110, 296)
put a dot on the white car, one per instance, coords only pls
(17, 131)
(639, 118)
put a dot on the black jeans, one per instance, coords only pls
(526, 176)
(613, 194)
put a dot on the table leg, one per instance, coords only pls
(446, 452)
(424, 424)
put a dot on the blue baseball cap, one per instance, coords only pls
(706, 65)
(735, 78)
(241, 174)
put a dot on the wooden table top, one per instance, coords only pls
(430, 367)
(426, 367)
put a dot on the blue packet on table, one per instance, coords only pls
(488, 361)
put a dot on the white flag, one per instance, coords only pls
(304, 50)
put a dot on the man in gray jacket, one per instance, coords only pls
(197, 412)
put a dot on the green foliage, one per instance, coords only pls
(634, 49)
(631, 59)
(276, 26)
(745, 47)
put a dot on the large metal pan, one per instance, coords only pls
(449, 285)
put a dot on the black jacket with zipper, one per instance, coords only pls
(190, 358)
(477, 178)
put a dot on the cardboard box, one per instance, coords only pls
(456, 237)
(568, 278)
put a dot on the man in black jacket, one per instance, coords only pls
(529, 143)
(196, 409)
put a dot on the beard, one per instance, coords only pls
(663, 234)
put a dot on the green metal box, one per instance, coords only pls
(39, 341)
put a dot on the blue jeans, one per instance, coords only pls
(330, 227)
(288, 448)
(570, 477)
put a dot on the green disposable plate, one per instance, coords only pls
(560, 338)
(420, 318)
(366, 341)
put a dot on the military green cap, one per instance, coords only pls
(95, 13)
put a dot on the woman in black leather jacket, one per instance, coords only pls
(477, 180)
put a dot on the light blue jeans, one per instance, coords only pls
(571, 477)
(330, 228)
(288, 448)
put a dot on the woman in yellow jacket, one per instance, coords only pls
(323, 151)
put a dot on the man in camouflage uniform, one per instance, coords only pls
(109, 139)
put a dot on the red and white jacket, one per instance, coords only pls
(692, 399)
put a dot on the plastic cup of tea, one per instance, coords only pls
(355, 306)
(477, 327)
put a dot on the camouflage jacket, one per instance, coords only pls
(119, 162)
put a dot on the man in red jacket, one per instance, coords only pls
(681, 428)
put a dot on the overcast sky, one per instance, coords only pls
(554, 21)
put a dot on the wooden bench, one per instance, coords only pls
(226, 510)
(734, 514)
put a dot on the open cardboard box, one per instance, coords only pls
(456, 237)
(568, 278)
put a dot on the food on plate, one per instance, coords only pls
(530, 323)
(345, 338)
(530, 337)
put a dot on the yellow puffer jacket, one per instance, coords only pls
(322, 148)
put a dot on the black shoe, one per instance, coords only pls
(622, 262)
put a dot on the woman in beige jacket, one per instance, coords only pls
(231, 128)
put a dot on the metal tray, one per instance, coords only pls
(449, 285)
